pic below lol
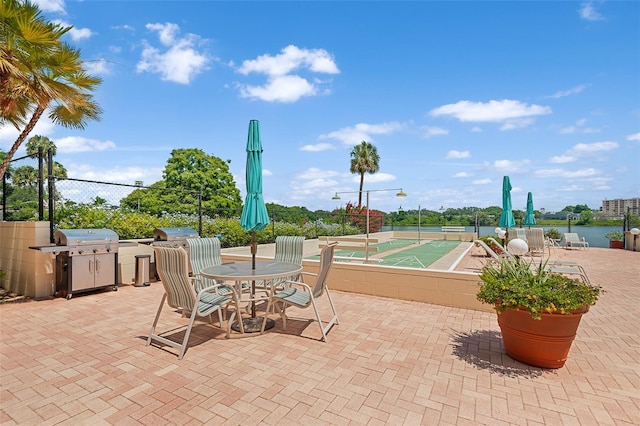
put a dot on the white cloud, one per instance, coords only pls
(458, 154)
(594, 147)
(481, 181)
(286, 89)
(56, 6)
(512, 114)
(180, 62)
(476, 129)
(579, 127)
(283, 85)
(427, 131)
(634, 137)
(266, 172)
(561, 159)
(9, 134)
(572, 91)
(314, 173)
(290, 59)
(581, 150)
(508, 166)
(462, 175)
(317, 147)
(75, 33)
(564, 173)
(96, 67)
(363, 132)
(588, 12)
(72, 144)
(375, 178)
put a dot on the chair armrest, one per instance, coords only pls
(300, 284)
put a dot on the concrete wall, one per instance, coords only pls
(29, 272)
(457, 289)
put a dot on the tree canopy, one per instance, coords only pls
(364, 159)
(187, 172)
(38, 71)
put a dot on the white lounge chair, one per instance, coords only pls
(571, 239)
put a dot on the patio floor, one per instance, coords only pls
(84, 361)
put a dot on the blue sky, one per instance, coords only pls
(454, 95)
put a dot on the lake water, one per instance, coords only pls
(595, 235)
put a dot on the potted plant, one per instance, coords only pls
(616, 239)
(553, 234)
(538, 311)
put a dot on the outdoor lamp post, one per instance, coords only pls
(400, 193)
(518, 247)
(634, 232)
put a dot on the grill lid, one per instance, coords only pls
(172, 234)
(78, 237)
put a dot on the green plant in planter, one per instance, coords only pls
(517, 284)
(615, 236)
(553, 233)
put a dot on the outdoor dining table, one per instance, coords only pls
(244, 271)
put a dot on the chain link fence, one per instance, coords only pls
(133, 211)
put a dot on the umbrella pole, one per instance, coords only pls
(254, 250)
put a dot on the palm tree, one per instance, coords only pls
(364, 159)
(40, 72)
(24, 176)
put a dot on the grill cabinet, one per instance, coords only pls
(87, 260)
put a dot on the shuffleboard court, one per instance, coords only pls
(405, 253)
(419, 256)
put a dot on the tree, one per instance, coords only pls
(187, 172)
(33, 146)
(364, 159)
(39, 72)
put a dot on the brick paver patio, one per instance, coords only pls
(84, 361)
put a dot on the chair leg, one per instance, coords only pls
(333, 308)
(155, 321)
(315, 308)
(185, 341)
(264, 319)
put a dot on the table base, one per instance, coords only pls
(253, 325)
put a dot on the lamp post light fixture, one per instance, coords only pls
(634, 232)
(400, 193)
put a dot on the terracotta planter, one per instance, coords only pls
(616, 244)
(542, 343)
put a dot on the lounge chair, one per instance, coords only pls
(497, 257)
(518, 233)
(571, 239)
(302, 295)
(536, 241)
(179, 293)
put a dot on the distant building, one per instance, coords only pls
(616, 208)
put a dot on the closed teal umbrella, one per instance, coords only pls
(529, 218)
(254, 213)
(506, 218)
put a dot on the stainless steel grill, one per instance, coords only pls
(86, 259)
(174, 237)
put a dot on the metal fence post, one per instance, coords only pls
(40, 184)
(200, 211)
(52, 189)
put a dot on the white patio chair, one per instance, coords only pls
(302, 295)
(179, 293)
